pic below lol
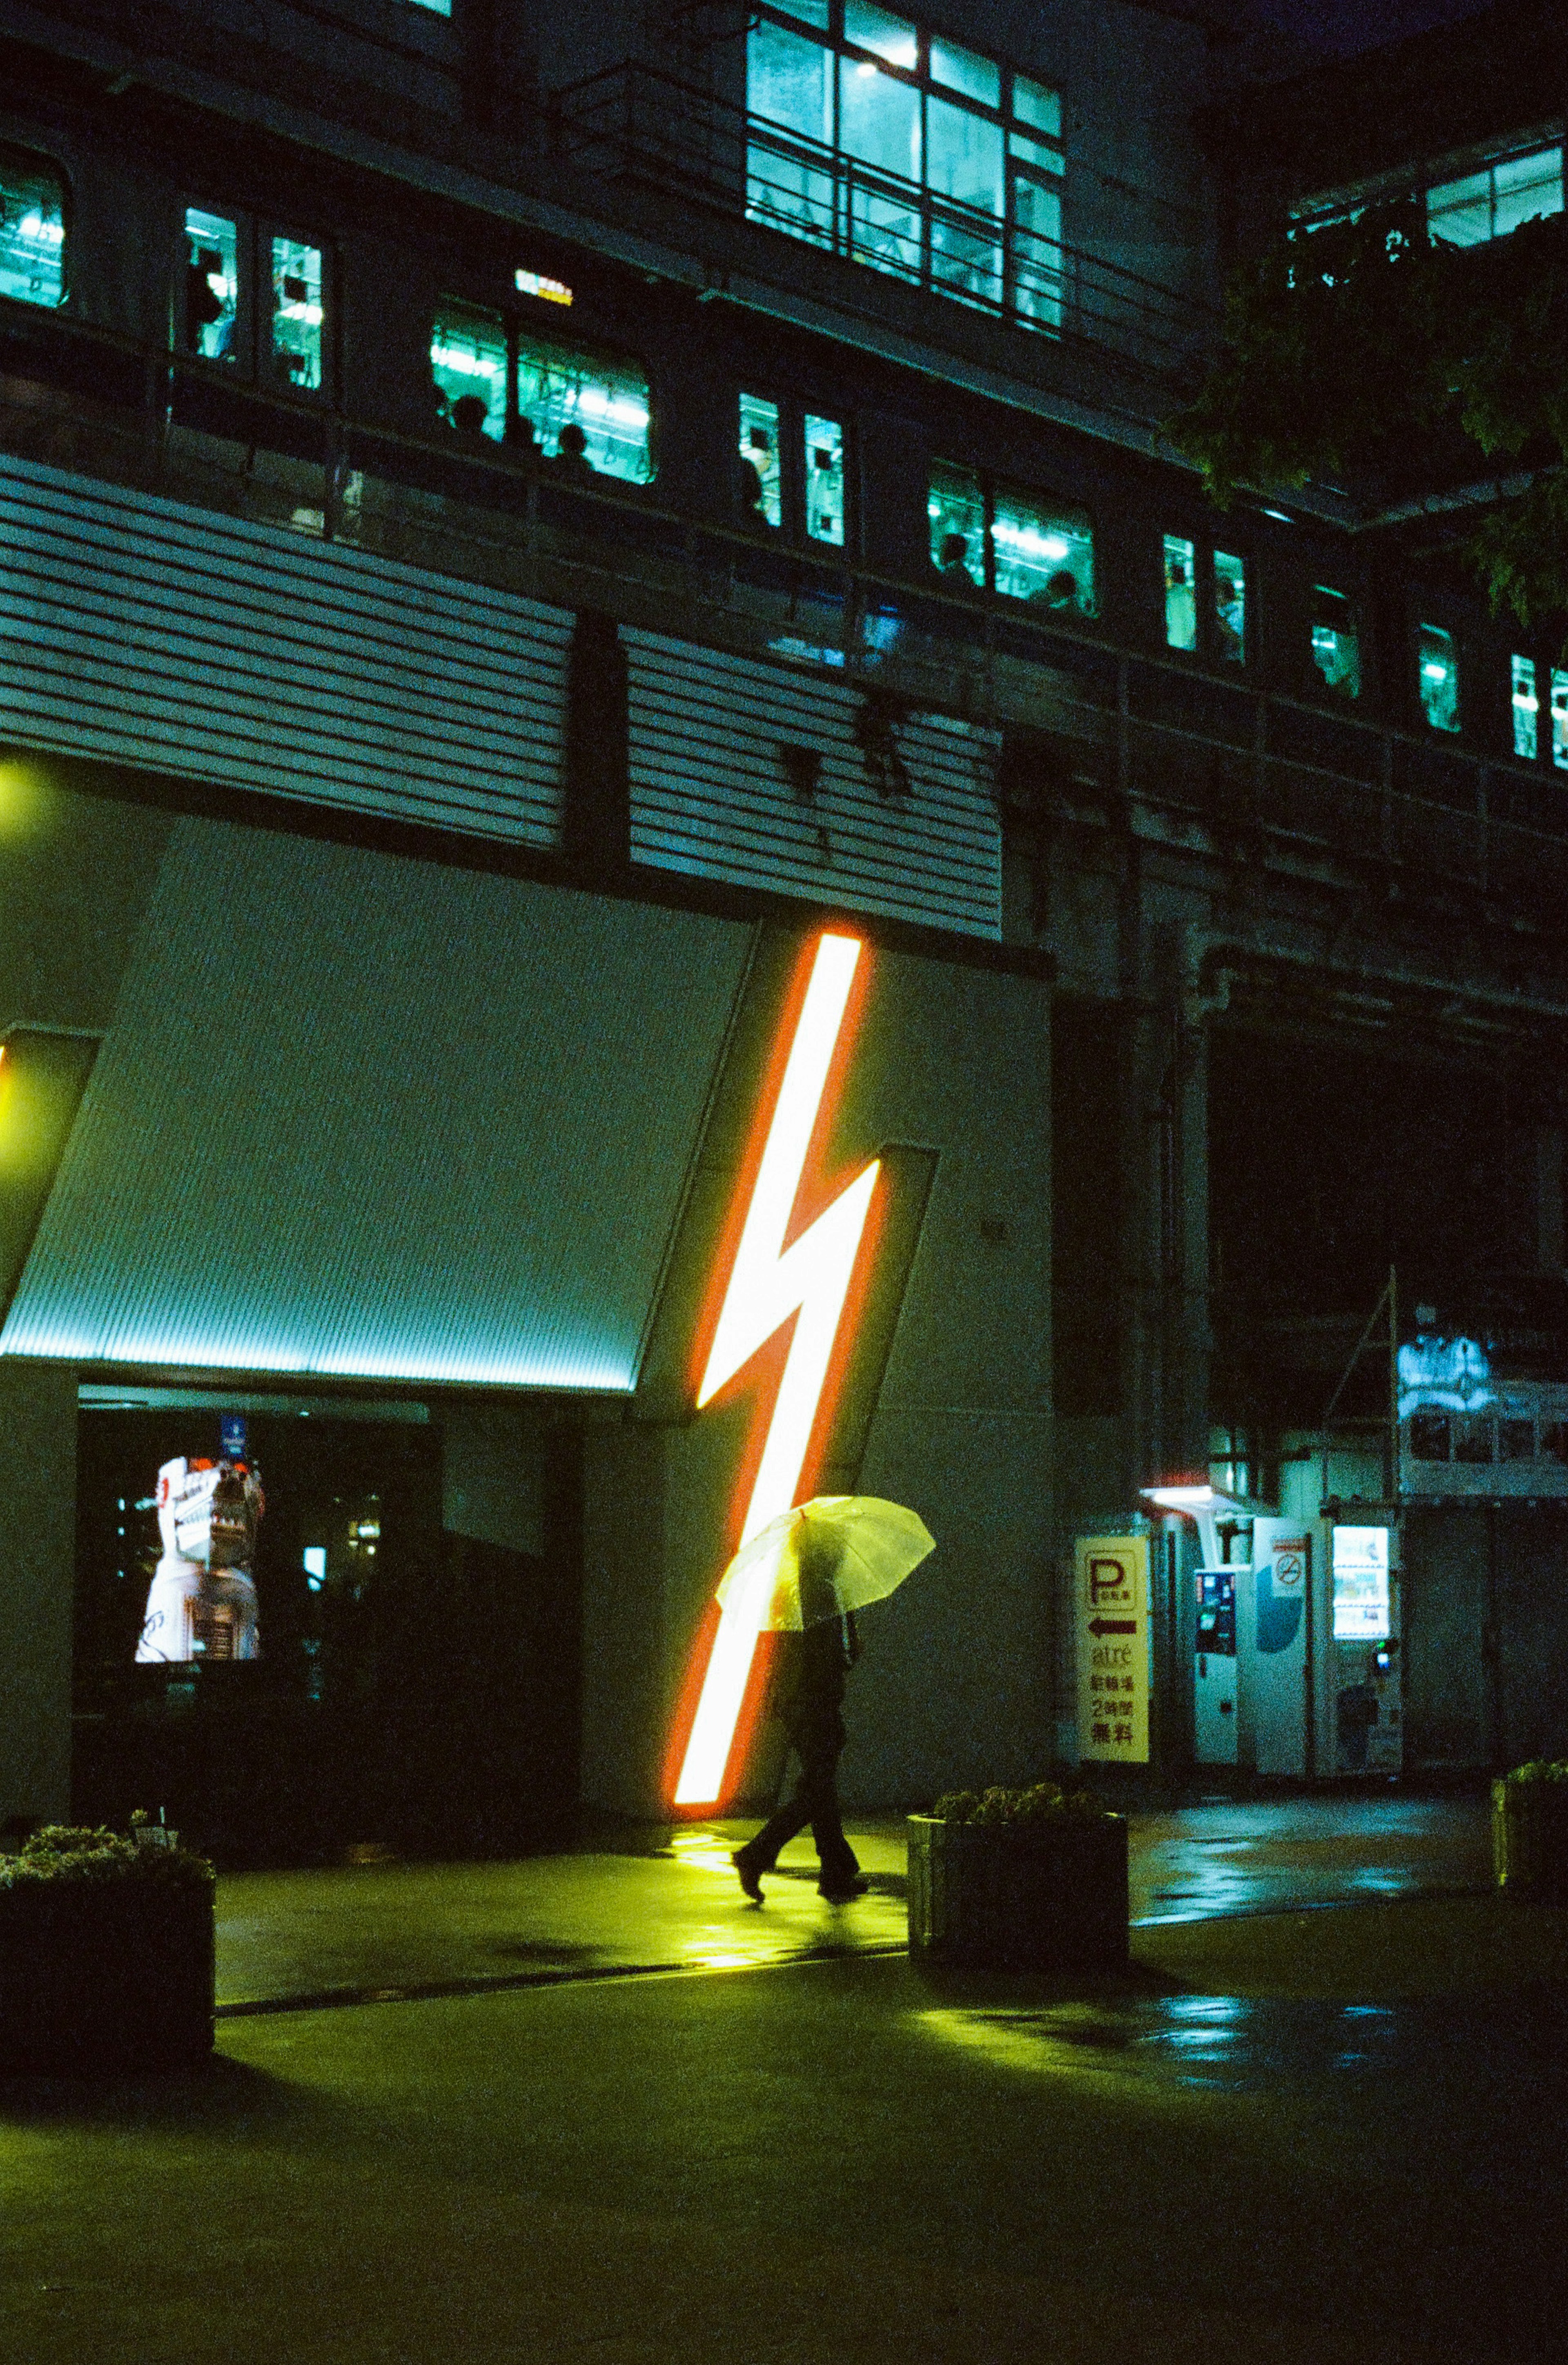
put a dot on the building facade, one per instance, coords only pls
(511, 537)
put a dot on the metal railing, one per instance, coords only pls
(1133, 738)
(635, 124)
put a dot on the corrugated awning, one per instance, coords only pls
(363, 1116)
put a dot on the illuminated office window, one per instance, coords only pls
(824, 480)
(903, 150)
(1336, 641)
(1526, 737)
(435, 7)
(297, 314)
(956, 510)
(1486, 205)
(1560, 719)
(559, 388)
(211, 286)
(1230, 608)
(1181, 593)
(1042, 552)
(1438, 665)
(32, 229)
(762, 483)
(468, 368)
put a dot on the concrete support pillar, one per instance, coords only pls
(38, 1563)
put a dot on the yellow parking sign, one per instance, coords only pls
(1111, 1594)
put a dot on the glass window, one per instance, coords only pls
(878, 120)
(810, 12)
(559, 389)
(787, 81)
(211, 286)
(1524, 187)
(1033, 103)
(1489, 204)
(1037, 251)
(824, 480)
(32, 229)
(468, 366)
(964, 156)
(1438, 665)
(1181, 593)
(1230, 608)
(961, 69)
(1560, 719)
(1525, 709)
(1043, 552)
(762, 486)
(296, 313)
(956, 510)
(888, 37)
(1336, 643)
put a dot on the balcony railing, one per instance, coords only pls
(636, 125)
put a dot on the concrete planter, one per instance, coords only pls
(105, 1975)
(1043, 1896)
(1530, 1840)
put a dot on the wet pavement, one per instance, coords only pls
(1316, 2121)
(644, 1900)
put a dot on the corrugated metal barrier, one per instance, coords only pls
(744, 771)
(143, 633)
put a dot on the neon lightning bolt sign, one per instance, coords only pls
(768, 1285)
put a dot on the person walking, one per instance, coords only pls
(811, 1674)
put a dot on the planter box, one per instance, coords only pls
(1530, 1840)
(1036, 1897)
(104, 1975)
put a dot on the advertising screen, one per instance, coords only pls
(201, 1603)
(1360, 1584)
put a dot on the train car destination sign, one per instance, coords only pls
(1111, 1598)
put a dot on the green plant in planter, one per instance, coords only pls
(1530, 1830)
(106, 1952)
(999, 1808)
(1034, 1877)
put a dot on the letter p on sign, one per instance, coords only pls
(1107, 1581)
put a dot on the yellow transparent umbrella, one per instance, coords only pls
(826, 1558)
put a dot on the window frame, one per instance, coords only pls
(1546, 658)
(991, 481)
(793, 410)
(250, 362)
(1044, 164)
(519, 314)
(1206, 651)
(54, 167)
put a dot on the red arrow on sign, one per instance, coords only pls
(1113, 1625)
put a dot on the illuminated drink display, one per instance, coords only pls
(775, 1279)
(1360, 1584)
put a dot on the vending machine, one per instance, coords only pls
(1362, 1721)
(1217, 1725)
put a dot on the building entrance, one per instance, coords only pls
(290, 1637)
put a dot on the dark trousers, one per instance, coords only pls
(814, 1800)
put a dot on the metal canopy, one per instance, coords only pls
(360, 1116)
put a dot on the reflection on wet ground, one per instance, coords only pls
(1261, 1856)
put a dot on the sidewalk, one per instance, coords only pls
(650, 1901)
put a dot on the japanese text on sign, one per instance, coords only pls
(1111, 1593)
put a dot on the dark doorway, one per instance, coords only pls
(411, 1690)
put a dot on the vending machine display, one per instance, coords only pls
(1214, 1718)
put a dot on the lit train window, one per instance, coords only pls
(1438, 663)
(32, 229)
(824, 480)
(1181, 593)
(211, 289)
(560, 389)
(762, 484)
(1527, 710)
(297, 314)
(1336, 641)
(956, 513)
(1230, 608)
(1043, 552)
(468, 369)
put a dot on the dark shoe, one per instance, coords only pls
(748, 1875)
(840, 1892)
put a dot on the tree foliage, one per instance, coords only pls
(1348, 350)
